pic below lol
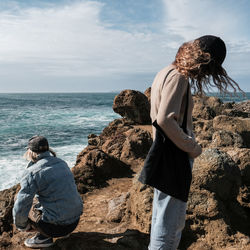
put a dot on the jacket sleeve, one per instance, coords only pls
(24, 201)
(169, 111)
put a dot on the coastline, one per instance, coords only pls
(118, 208)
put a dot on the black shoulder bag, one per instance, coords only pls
(167, 167)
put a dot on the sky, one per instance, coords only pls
(111, 45)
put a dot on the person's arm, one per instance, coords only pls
(169, 111)
(24, 202)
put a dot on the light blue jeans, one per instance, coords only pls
(168, 221)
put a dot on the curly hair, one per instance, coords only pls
(198, 66)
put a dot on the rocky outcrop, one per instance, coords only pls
(218, 206)
(7, 197)
(118, 208)
(139, 206)
(224, 138)
(147, 93)
(94, 167)
(133, 105)
(6, 204)
(241, 109)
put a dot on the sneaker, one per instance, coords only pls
(39, 241)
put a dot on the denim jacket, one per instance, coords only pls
(52, 182)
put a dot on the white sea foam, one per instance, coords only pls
(69, 153)
(12, 167)
(65, 119)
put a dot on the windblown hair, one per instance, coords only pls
(29, 155)
(198, 66)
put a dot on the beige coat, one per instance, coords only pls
(168, 101)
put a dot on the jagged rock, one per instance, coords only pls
(206, 107)
(139, 206)
(130, 146)
(223, 138)
(213, 215)
(216, 172)
(236, 125)
(94, 167)
(214, 103)
(204, 112)
(136, 145)
(113, 146)
(133, 105)
(6, 204)
(147, 93)
(242, 157)
(203, 130)
(219, 203)
(115, 127)
(5, 240)
(241, 109)
(93, 140)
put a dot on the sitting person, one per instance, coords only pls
(48, 201)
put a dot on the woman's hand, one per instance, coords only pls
(196, 152)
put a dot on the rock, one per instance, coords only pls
(136, 145)
(93, 140)
(213, 213)
(202, 203)
(147, 93)
(6, 204)
(242, 157)
(94, 167)
(223, 138)
(216, 172)
(113, 137)
(5, 240)
(203, 130)
(233, 124)
(206, 107)
(113, 145)
(115, 127)
(139, 206)
(202, 111)
(116, 208)
(130, 146)
(241, 109)
(228, 105)
(133, 105)
(215, 104)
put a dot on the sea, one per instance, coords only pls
(66, 119)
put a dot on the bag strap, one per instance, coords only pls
(184, 122)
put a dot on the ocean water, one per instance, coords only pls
(65, 119)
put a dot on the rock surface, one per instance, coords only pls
(118, 208)
(133, 105)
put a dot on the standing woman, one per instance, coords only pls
(198, 64)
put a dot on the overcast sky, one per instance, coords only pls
(72, 46)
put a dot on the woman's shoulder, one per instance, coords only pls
(171, 71)
(169, 75)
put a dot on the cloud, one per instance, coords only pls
(191, 19)
(72, 40)
(229, 20)
(85, 39)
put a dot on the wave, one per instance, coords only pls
(12, 166)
